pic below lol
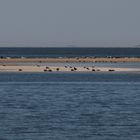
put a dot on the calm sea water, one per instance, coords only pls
(64, 106)
(68, 52)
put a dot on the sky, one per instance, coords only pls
(64, 23)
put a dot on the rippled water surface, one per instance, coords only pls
(64, 106)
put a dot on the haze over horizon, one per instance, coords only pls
(82, 23)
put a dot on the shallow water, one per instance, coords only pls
(89, 64)
(80, 64)
(65, 106)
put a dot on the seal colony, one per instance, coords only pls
(34, 64)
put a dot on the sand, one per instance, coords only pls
(64, 69)
(10, 65)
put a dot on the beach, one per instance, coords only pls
(34, 64)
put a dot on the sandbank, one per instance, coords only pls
(34, 64)
(64, 69)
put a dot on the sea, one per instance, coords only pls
(37, 52)
(69, 106)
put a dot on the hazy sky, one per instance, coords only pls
(69, 22)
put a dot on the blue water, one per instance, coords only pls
(68, 52)
(64, 106)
